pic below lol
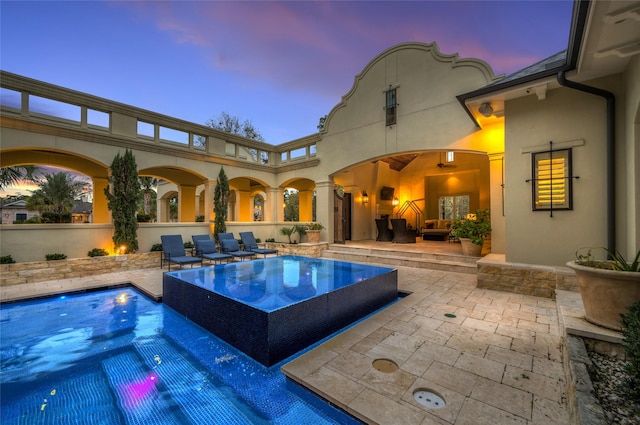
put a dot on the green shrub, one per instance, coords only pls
(156, 247)
(53, 217)
(53, 257)
(270, 240)
(631, 344)
(258, 240)
(143, 218)
(199, 218)
(188, 245)
(7, 259)
(97, 252)
(18, 222)
(33, 220)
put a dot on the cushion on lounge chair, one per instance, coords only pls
(205, 247)
(232, 247)
(222, 236)
(173, 251)
(229, 245)
(250, 244)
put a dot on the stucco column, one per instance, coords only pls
(272, 205)
(162, 210)
(305, 206)
(496, 185)
(209, 187)
(101, 213)
(324, 208)
(245, 206)
(186, 203)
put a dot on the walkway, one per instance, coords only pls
(498, 361)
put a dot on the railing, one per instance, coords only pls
(33, 100)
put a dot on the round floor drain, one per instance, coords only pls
(385, 365)
(428, 399)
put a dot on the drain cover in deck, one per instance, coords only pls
(428, 399)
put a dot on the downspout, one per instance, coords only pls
(610, 183)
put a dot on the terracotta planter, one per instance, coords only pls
(606, 294)
(469, 248)
(313, 236)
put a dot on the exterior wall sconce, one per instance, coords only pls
(365, 197)
(395, 202)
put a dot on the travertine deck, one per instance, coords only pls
(498, 361)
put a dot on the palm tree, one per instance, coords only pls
(147, 184)
(56, 194)
(14, 175)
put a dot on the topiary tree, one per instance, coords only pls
(220, 203)
(123, 194)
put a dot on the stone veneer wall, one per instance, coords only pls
(38, 271)
(313, 250)
(540, 281)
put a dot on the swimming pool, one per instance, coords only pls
(116, 357)
(274, 307)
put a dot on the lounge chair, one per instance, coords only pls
(231, 246)
(250, 244)
(173, 252)
(205, 248)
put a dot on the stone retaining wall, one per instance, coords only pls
(38, 271)
(313, 250)
(541, 281)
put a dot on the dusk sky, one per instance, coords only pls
(282, 65)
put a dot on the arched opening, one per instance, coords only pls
(416, 186)
(248, 201)
(258, 206)
(168, 207)
(57, 161)
(184, 183)
(298, 198)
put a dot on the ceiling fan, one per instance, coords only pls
(443, 165)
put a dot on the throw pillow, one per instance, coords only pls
(229, 245)
(206, 247)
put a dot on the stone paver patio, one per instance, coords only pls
(498, 361)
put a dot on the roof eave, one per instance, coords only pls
(576, 34)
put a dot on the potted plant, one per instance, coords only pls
(472, 232)
(288, 231)
(607, 287)
(313, 232)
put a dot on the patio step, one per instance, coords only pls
(398, 257)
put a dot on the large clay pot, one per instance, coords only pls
(606, 294)
(469, 248)
(313, 236)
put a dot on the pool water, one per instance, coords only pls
(272, 308)
(274, 283)
(116, 357)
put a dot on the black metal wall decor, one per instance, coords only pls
(552, 178)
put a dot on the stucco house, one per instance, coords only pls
(552, 150)
(16, 211)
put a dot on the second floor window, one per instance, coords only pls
(390, 106)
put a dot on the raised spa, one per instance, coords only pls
(273, 308)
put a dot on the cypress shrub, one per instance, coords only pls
(123, 194)
(220, 203)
